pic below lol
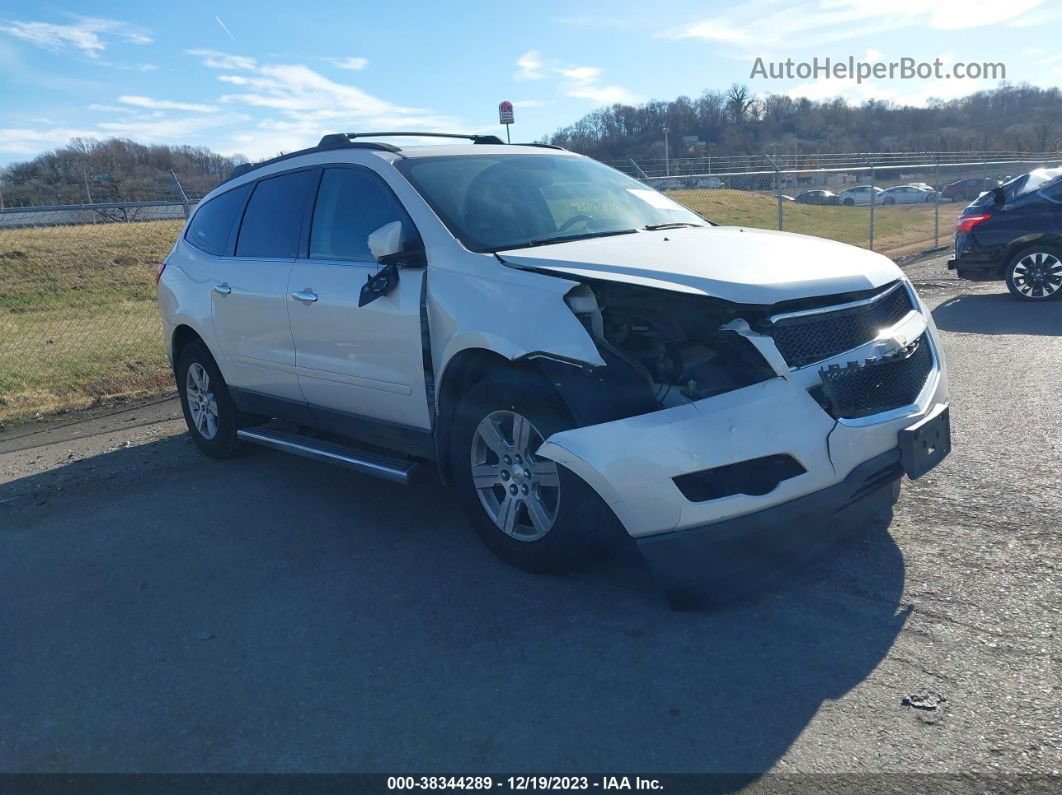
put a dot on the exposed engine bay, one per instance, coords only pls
(673, 341)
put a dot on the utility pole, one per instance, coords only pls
(667, 155)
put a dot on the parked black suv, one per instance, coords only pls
(1014, 233)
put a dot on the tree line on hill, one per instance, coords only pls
(1020, 118)
(91, 171)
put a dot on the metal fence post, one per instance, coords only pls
(936, 203)
(777, 191)
(873, 201)
(180, 192)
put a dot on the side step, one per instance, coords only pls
(398, 470)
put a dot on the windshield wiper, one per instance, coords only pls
(546, 241)
(672, 225)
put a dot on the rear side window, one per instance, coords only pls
(212, 223)
(272, 223)
(351, 205)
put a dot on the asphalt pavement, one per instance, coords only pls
(160, 611)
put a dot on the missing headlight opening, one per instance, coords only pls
(674, 342)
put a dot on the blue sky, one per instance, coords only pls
(263, 77)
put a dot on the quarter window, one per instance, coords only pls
(212, 223)
(272, 223)
(351, 205)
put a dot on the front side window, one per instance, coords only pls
(212, 223)
(495, 202)
(272, 223)
(351, 205)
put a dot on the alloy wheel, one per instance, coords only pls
(519, 492)
(201, 403)
(1038, 274)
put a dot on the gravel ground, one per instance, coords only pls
(165, 612)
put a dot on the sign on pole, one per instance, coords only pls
(505, 116)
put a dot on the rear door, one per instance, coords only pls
(357, 362)
(250, 299)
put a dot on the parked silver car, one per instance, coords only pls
(906, 194)
(860, 194)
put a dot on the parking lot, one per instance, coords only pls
(167, 612)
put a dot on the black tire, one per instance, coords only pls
(888, 200)
(223, 443)
(849, 202)
(1032, 259)
(959, 196)
(581, 517)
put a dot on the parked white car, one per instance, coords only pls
(859, 195)
(906, 194)
(564, 345)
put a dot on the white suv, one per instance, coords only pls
(564, 343)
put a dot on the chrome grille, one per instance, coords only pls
(812, 337)
(860, 390)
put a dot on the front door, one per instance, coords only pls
(364, 362)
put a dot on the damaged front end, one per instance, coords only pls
(661, 350)
(725, 434)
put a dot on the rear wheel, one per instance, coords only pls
(1035, 274)
(208, 408)
(530, 511)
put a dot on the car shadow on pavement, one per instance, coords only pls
(998, 313)
(272, 614)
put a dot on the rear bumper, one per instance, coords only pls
(974, 268)
(736, 554)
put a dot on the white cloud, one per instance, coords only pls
(89, 35)
(165, 127)
(306, 104)
(224, 60)
(913, 93)
(165, 104)
(530, 66)
(581, 82)
(25, 141)
(353, 63)
(812, 23)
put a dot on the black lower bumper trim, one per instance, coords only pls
(736, 556)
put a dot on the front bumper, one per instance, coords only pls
(737, 554)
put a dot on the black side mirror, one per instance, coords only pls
(379, 284)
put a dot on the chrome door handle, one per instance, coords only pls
(306, 296)
(222, 289)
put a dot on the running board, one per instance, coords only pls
(398, 470)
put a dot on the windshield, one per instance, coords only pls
(495, 202)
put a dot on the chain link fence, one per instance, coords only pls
(78, 318)
(79, 322)
(850, 203)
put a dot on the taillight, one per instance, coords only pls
(966, 223)
(158, 272)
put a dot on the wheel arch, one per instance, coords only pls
(463, 371)
(1052, 241)
(183, 334)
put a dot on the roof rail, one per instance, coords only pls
(328, 142)
(334, 138)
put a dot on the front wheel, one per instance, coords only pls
(849, 203)
(1035, 274)
(888, 200)
(208, 408)
(530, 511)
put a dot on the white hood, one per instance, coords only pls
(748, 266)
